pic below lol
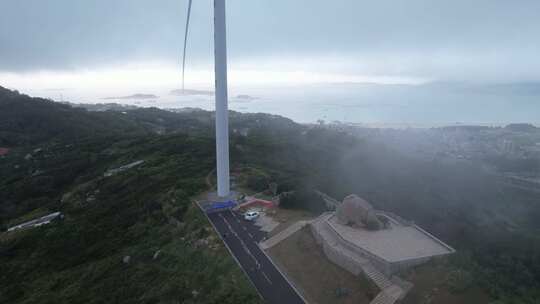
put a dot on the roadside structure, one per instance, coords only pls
(257, 203)
(44, 220)
(123, 168)
(4, 151)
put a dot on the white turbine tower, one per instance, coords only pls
(222, 114)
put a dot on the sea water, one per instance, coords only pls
(371, 104)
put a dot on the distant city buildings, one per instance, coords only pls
(516, 141)
(512, 152)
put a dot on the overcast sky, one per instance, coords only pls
(457, 40)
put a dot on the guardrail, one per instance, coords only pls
(452, 250)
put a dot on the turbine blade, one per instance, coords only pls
(185, 44)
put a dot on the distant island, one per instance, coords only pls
(522, 127)
(180, 92)
(244, 97)
(134, 96)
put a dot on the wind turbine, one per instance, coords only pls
(222, 112)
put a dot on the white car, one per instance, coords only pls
(251, 215)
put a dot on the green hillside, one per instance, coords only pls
(145, 213)
(59, 154)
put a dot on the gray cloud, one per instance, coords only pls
(440, 39)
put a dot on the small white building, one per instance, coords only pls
(44, 220)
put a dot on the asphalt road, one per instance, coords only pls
(242, 237)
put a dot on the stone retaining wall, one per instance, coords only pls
(332, 249)
(392, 289)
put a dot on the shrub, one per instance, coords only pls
(302, 199)
(459, 280)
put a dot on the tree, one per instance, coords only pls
(302, 199)
(257, 182)
(273, 188)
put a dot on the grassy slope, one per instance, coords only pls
(137, 213)
(320, 280)
(433, 283)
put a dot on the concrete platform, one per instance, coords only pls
(396, 244)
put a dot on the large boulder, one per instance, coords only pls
(356, 211)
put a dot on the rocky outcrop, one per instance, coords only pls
(355, 211)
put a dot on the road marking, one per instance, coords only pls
(244, 227)
(257, 288)
(283, 276)
(246, 268)
(235, 216)
(266, 277)
(242, 243)
(250, 235)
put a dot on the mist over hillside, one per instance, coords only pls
(473, 187)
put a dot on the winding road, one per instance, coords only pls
(242, 238)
